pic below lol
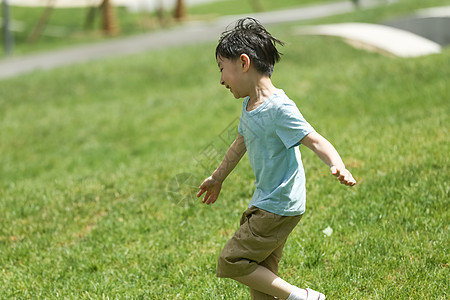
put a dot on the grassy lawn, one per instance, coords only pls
(66, 26)
(99, 162)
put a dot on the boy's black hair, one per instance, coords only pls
(249, 37)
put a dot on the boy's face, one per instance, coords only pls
(231, 76)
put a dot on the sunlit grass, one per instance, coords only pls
(91, 205)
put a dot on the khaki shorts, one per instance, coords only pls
(259, 241)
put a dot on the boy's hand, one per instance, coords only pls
(343, 175)
(212, 188)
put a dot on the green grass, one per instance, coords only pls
(70, 22)
(91, 205)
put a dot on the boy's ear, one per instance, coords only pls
(244, 59)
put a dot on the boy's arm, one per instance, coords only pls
(328, 154)
(213, 184)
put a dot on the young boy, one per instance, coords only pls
(270, 129)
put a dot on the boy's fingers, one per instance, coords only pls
(344, 176)
(349, 180)
(334, 171)
(212, 199)
(201, 192)
(208, 194)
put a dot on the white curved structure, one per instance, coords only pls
(431, 23)
(375, 37)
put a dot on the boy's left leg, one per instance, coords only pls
(260, 234)
(270, 263)
(257, 295)
(263, 280)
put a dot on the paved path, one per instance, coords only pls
(186, 34)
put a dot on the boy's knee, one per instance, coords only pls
(234, 268)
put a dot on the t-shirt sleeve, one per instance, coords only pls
(291, 126)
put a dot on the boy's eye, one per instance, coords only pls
(221, 69)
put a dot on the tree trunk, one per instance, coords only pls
(180, 10)
(110, 25)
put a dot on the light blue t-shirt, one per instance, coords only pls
(272, 133)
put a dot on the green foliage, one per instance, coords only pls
(99, 162)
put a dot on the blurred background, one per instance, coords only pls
(42, 24)
(37, 25)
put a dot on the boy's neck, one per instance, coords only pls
(261, 90)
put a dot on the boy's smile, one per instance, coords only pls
(242, 80)
(231, 75)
